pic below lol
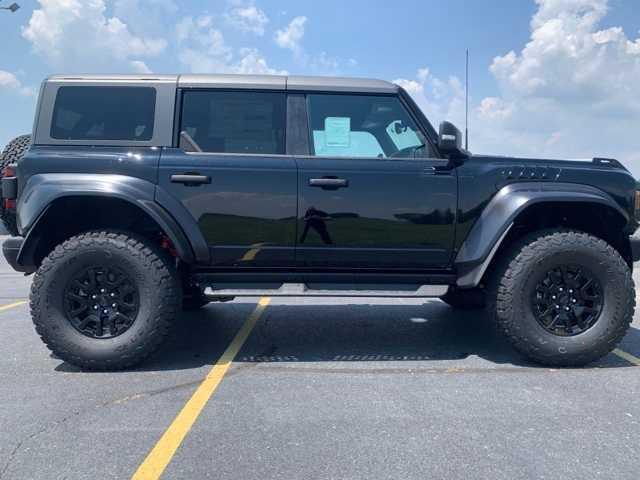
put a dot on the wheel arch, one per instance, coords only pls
(521, 208)
(68, 214)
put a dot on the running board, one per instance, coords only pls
(323, 290)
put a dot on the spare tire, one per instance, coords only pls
(13, 152)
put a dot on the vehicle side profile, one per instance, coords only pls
(138, 196)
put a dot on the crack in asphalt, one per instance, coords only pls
(77, 413)
(118, 401)
(31, 436)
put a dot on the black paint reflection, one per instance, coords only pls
(437, 217)
(316, 219)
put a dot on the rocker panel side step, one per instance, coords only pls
(326, 290)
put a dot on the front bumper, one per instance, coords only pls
(10, 249)
(635, 248)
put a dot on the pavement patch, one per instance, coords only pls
(164, 450)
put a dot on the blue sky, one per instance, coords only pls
(554, 78)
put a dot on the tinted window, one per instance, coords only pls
(104, 113)
(363, 126)
(235, 122)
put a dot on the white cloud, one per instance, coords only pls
(252, 62)
(77, 35)
(439, 100)
(247, 18)
(9, 82)
(291, 36)
(139, 67)
(573, 87)
(203, 49)
(323, 62)
(318, 63)
(150, 17)
(571, 91)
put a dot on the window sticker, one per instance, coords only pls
(337, 131)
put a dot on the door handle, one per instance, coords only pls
(329, 183)
(190, 179)
(436, 171)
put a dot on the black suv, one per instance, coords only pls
(136, 197)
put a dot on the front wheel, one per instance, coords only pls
(104, 300)
(562, 297)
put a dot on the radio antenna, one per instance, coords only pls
(466, 104)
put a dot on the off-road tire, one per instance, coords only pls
(153, 274)
(13, 152)
(471, 299)
(514, 279)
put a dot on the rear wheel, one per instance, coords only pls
(562, 297)
(104, 300)
(13, 153)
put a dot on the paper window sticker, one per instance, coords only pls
(337, 131)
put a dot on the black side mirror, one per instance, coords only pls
(450, 141)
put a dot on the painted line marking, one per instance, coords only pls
(627, 356)
(12, 305)
(251, 255)
(157, 460)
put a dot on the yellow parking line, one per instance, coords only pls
(627, 356)
(251, 255)
(162, 453)
(12, 305)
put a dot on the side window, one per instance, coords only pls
(235, 122)
(104, 113)
(363, 126)
(402, 136)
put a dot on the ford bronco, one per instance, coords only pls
(138, 196)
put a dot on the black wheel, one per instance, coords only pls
(470, 299)
(104, 300)
(12, 153)
(562, 297)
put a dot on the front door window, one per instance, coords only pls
(363, 126)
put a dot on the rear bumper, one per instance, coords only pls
(635, 248)
(10, 249)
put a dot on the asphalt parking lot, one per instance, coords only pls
(320, 389)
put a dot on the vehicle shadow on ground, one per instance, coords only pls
(394, 334)
(428, 334)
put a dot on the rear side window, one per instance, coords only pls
(235, 122)
(104, 113)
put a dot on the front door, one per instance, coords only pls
(371, 193)
(240, 187)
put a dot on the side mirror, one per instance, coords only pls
(450, 141)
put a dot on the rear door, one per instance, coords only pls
(372, 192)
(240, 188)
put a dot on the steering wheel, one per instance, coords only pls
(407, 152)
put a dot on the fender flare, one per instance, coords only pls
(41, 190)
(493, 225)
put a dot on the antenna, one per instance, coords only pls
(466, 105)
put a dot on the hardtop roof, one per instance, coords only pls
(274, 82)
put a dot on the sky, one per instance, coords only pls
(548, 78)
